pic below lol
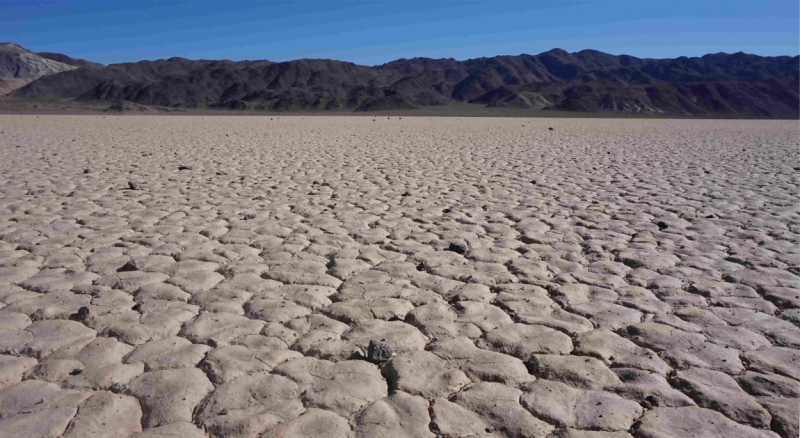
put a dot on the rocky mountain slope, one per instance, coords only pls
(732, 85)
(19, 67)
(64, 59)
(17, 62)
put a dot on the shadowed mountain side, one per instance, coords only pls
(767, 98)
(726, 84)
(509, 96)
(9, 85)
(130, 107)
(385, 103)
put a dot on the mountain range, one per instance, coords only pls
(714, 85)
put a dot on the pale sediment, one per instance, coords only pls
(249, 276)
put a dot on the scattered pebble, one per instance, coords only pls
(134, 264)
(458, 248)
(378, 352)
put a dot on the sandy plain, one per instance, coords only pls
(194, 276)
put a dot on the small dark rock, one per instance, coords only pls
(406, 194)
(122, 284)
(82, 314)
(134, 264)
(447, 210)
(224, 411)
(550, 128)
(653, 399)
(85, 170)
(137, 307)
(249, 216)
(134, 185)
(458, 248)
(72, 194)
(711, 216)
(212, 343)
(378, 352)
(259, 198)
(85, 289)
(184, 167)
(75, 372)
(220, 173)
(117, 387)
(423, 267)
(662, 225)
(533, 182)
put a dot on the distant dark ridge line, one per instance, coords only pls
(729, 85)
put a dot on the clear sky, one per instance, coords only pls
(378, 31)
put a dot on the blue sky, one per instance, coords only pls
(374, 32)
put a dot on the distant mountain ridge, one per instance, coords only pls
(730, 85)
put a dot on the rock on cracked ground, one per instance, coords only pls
(220, 276)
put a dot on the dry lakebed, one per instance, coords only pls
(291, 276)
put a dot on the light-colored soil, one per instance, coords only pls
(605, 278)
(9, 85)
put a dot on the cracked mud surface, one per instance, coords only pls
(604, 279)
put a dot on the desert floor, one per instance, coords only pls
(224, 276)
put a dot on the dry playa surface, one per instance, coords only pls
(398, 277)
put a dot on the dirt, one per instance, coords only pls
(606, 278)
